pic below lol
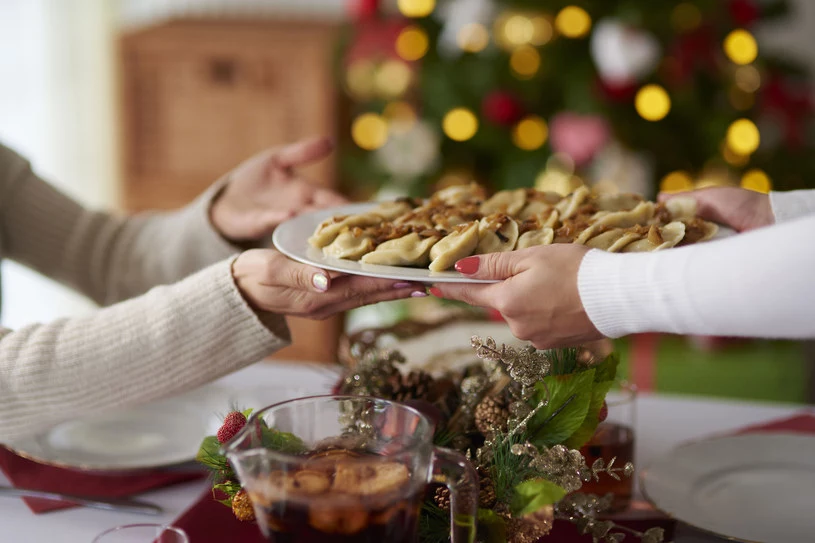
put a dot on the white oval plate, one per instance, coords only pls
(291, 239)
(156, 435)
(752, 487)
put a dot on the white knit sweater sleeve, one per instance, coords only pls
(171, 339)
(756, 284)
(792, 204)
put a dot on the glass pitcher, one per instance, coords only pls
(337, 469)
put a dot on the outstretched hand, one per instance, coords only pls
(266, 190)
(537, 293)
(271, 282)
(738, 208)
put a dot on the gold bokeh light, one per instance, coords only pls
(740, 47)
(525, 62)
(460, 124)
(473, 37)
(412, 43)
(573, 22)
(369, 131)
(652, 103)
(393, 78)
(756, 180)
(416, 8)
(686, 17)
(743, 137)
(677, 181)
(530, 133)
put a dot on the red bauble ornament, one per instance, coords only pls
(743, 12)
(500, 107)
(617, 92)
(792, 104)
(365, 9)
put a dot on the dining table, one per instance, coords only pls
(662, 422)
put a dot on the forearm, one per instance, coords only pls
(106, 257)
(756, 284)
(792, 204)
(169, 340)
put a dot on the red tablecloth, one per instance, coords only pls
(25, 473)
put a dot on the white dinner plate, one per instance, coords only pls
(291, 239)
(156, 435)
(752, 487)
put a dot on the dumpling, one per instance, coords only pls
(612, 240)
(533, 238)
(350, 244)
(658, 238)
(497, 233)
(697, 230)
(617, 202)
(460, 194)
(538, 203)
(409, 250)
(391, 210)
(330, 228)
(641, 214)
(510, 202)
(454, 246)
(568, 206)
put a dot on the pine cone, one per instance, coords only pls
(442, 497)
(491, 415)
(416, 385)
(242, 506)
(486, 493)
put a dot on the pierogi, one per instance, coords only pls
(463, 220)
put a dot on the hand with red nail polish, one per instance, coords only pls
(271, 282)
(536, 293)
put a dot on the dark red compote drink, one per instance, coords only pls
(340, 496)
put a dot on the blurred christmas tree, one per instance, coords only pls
(631, 95)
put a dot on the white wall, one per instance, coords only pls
(56, 107)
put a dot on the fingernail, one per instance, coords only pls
(320, 281)
(435, 292)
(401, 285)
(418, 294)
(467, 266)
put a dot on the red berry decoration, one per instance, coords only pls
(233, 423)
(601, 416)
(501, 108)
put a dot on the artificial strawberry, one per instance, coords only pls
(601, 416)
(233, 423)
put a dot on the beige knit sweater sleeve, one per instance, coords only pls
(175, 337)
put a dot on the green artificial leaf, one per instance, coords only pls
(533, 494)
(282, 441)
(556, 422)
(209, 454)
(491, 527)
(607, 369)
(247, 412)
(589, 426)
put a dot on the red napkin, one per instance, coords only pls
(208, 521)
(25, 473)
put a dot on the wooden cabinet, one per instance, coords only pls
(198, 97)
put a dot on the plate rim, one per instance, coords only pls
(351, 267)
(644, 473)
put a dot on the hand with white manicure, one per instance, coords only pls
(271, 282)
